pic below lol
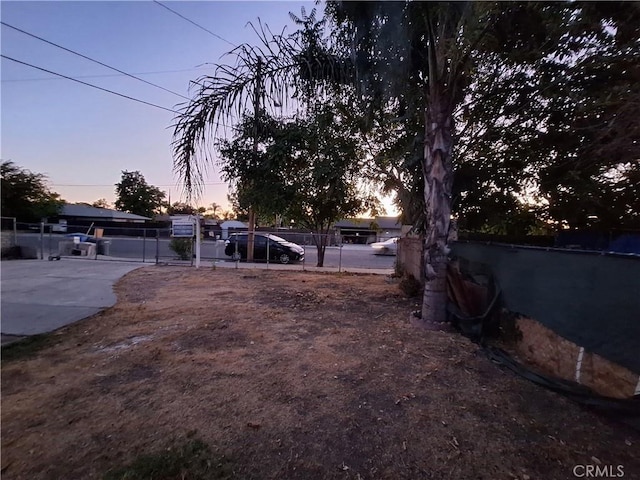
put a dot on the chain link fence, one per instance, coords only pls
(272, 249)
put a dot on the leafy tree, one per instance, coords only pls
(179, 208)
(548, 139)
(183, 247)
(134, 195)
(101, 203)
(395, 146)
(307, 169)
(25, 194)
(255, 173)
(542, 137)
(328, 184)
(590, 177)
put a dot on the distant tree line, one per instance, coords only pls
(27, 197)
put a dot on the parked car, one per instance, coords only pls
(280, 249)
(388, 247)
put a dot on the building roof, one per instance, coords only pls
(381, 223)
(78, 210)
(388, 222)
(355, 222)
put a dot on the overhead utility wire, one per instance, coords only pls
(90, 85)
(99, 76)
(92, 60)
(194, 23)
(100, 88)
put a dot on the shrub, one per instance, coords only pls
(182, 247)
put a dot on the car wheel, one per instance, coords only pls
(284, 258)
(236, 256)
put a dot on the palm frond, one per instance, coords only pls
(292, 69)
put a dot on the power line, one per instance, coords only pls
(100, 76)
(194, 23)
(100, 88)
(90, 85)
(92, 60)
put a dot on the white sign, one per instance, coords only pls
(182, 228)
(186, 227)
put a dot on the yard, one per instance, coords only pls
(264, 374)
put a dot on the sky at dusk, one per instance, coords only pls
(82, 138)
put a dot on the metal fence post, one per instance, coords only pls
(157, 245)
(50, 230)
(304, 247)
(41, 240)
(267, 237)
(15, 232)
(95, 255)
(340, 259)
(237, 254)
(144, 244)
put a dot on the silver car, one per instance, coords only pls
(388, 247)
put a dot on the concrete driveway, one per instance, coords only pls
(40, 296)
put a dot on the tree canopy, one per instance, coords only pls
(134, 195)
(101, 203)
(306, 169)
(591, 174)
(25, 194)
(180, 208)
(534, 126)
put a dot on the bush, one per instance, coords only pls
(182, 247)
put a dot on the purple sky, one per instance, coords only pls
(82, 138)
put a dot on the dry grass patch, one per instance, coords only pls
(284, 375)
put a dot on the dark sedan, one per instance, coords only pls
(279, 249)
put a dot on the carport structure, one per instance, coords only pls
(368, 230)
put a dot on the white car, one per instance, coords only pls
(388, 247)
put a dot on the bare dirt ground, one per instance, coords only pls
(288, 375)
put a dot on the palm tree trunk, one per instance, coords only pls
(438, 179)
